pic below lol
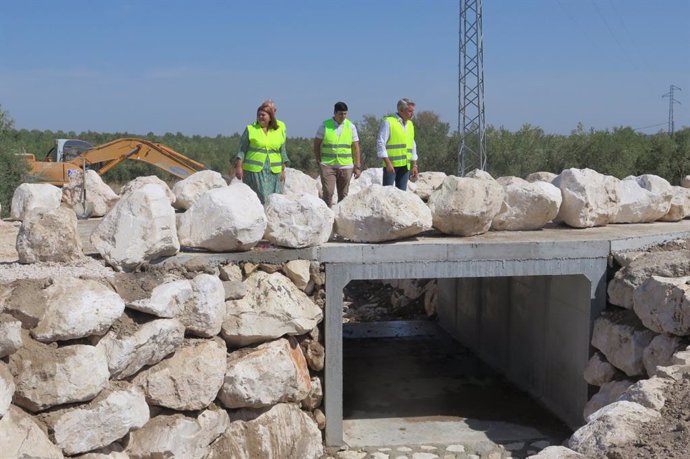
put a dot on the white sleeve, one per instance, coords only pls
(355, 136)
(320, 131)
(414, 150)
(382, 139)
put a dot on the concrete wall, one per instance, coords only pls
(533, 329)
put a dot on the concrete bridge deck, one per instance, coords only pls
(524, 301)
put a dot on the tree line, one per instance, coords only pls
(619, 152)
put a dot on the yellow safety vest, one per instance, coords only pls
(336, 150)
(264, 145)
(282, 128)
(400, 143)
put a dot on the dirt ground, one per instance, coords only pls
(667, 438)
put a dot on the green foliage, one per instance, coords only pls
(11, 170)
(367, 130)
(619, 152)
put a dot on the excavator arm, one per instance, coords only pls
(104, 157)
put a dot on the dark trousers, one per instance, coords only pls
(399, 177)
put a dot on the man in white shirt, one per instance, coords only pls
(336, 149)
(396, 146)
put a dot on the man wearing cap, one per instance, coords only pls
(336, 149)
(396, 146)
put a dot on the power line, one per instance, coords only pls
(650, 126)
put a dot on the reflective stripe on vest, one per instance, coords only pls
(263, 145)
(400, 142)
(336, 150)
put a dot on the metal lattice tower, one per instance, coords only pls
(471, 122)
(671, 101)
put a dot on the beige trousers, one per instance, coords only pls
(332, 178)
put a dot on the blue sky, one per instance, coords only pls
(202, 67)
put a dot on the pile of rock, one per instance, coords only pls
(179, 363)
(142, 220)
(642, 350)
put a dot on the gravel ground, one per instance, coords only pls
(11, 269)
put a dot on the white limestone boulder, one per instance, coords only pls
(598, 370)
(273, 307)
(589, 198)
(46, 376)
(315, 397)
(177, 435)
(672, 263)
(7, 388)
(281, 432)
(29, 196)
(77, 308)
(298, 183)
(680, 205)
(109, 417)
(22, 437)
(480, 174)
(653, 183)
(381, 213)
(188, 190)
(608, 393)
(663, 304)
(508, 180)
(541, 177)
(466, 206)
(139, 182)
(129, 348)
(234, 220)
(527, 206)
(298, 221)
(427, 183)
(230, 272)
(49, 235)
(622, 339)
(204, 314)
(650, 393)
(614, 425)
(198, 303)
(139, 229)
(639, 205)
(685, 181)
(100, 198)
(167, 300)
(556, 452)
(189, 380)
(247, 384)
(368, 177)
(659, 352)
(10, 335)
(298, 271)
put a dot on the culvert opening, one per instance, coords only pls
(407, 381)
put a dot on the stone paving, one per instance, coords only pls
(485, 450)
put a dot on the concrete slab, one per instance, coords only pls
(437, 430)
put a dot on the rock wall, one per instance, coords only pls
(640, 354)
(192, 360)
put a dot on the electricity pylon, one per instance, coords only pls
(671, 101)
(471, 121)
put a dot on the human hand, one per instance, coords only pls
(239, 173)
(389, 167)
(414, 173)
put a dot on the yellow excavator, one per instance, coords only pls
(70, 155)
